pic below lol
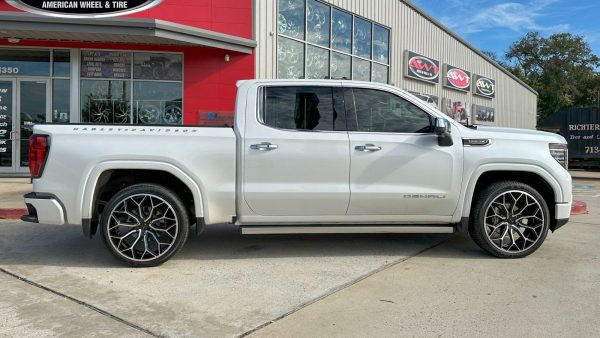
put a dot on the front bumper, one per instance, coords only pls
(562, 212)
(44, 208)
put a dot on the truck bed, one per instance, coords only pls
(205, 155)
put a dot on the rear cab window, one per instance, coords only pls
(304, 108)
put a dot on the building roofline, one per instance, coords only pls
(410, 4)
(162, 31)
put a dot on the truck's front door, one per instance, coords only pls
(296, 160)
(397, 167)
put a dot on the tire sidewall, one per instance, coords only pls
(478, 231)
(149, 189)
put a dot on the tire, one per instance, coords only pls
(151, 239)
(509, 220)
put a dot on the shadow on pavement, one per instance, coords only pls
(35, 244)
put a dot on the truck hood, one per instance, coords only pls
(511, 133)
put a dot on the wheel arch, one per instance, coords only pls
(534, 176)
(141, 171)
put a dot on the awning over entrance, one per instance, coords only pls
(118, 30)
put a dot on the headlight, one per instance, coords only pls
(560, 152)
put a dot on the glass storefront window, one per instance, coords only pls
(106, 101)
(380, 73)
(291, 18)
(61, 93)
(61, 63)
(157, 102)
(105, 64)
(120, 87)
(318, 41)
(341, 30)
(290, 55)
(318, 23)
(361, 70)
(24, 62)
(362, 38)
(158, 66)
(317, 63)
(381, 44)
(341, 67)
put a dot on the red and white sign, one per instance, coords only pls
(457, 78)
(422, 68)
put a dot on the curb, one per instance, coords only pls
(583, 178)
(579, 208)
(12, 213)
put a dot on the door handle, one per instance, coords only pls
(13, 136)
(265, 146)
(368, 148)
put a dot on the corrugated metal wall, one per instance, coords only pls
(515, 105)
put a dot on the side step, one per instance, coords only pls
(347, 229)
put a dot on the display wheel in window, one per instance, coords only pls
(173, 114)
(99, 112)
(149, 114)
(122, 112)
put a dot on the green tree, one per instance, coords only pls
(561, 68)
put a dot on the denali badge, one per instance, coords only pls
(457, 78)
(83, 8)
(485, 86)
(425, 196)
(421, 68)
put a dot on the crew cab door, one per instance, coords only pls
(397, 167)
(296, 160)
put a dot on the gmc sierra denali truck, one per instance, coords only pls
(302, 157)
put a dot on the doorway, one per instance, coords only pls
(24, 102)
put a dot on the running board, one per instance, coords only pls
(349, 229)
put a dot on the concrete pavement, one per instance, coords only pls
(12, 191)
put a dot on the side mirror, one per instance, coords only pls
(442, 130)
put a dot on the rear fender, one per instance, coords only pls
(87, 200)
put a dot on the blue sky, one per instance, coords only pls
(495, 25)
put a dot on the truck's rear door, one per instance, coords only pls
(296, 158)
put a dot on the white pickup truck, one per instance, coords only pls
(303, 157)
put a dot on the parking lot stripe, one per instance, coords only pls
(75, 300)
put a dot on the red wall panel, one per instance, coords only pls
(232, 17)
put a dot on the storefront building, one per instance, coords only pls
(176, 62)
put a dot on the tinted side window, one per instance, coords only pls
(378, 111)
(304, 108)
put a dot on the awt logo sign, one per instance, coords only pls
(457, 78)
(484, 86)
(422, 68)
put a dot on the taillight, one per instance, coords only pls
(38, 151)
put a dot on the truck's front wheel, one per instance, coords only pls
(144, 225)
(509, 219)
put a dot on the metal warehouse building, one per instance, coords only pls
(177, 62)
(389, 41)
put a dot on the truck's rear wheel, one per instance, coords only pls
(509, 220)
(144, 225)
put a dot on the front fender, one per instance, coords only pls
(469, 189)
